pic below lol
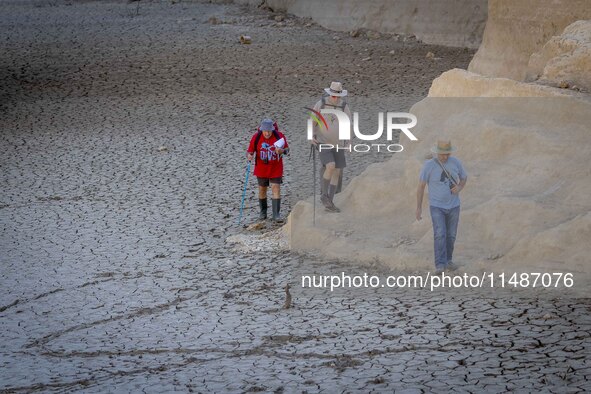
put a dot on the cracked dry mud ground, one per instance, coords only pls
(114, 270)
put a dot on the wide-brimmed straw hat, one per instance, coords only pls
(336, 89)
(443, 147)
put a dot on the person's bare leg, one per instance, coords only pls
(276, 189)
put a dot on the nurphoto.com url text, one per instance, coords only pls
(443, 280)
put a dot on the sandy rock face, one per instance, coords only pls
(565, 58)
(517, 29)
(525, 206)
(458, 23)
(462, 83)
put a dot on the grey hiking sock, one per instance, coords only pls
(324, 187)
(331, 191)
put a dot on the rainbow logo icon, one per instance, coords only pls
(318, 118)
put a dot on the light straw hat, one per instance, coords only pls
(443, 147)
(336, 89)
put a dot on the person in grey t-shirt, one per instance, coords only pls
(446, 178)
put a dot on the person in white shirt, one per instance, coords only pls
(333, 160)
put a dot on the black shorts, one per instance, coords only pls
(332, 156)
(265, 181)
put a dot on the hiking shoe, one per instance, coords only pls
(328, 204)
(325, 201)
(439, 271)
(332, 208)
(451, 266)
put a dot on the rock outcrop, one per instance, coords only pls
(565, 60)
(518, 28)
(461, 83)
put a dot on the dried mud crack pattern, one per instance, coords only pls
(122, 158)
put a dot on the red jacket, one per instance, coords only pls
(268, 164)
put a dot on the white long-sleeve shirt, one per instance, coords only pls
(331, 135)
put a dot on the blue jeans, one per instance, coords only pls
(445, 228)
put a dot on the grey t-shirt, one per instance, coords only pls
(440, 195)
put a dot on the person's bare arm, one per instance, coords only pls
(460, 186)
(420, 194)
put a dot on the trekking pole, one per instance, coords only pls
(244, 191)
(314, 176)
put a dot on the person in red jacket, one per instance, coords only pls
(267, 147)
